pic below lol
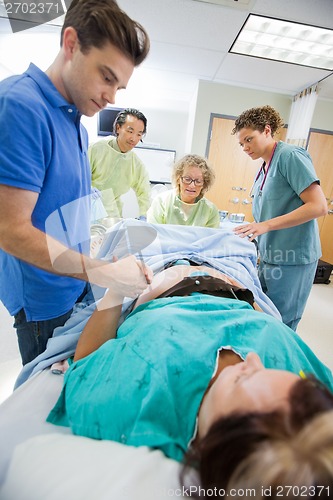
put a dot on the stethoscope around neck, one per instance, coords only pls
(262, 169)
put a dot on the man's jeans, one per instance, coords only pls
(33, 335)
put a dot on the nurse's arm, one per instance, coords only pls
(314, 206)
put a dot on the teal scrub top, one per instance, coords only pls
(291, 171)
(145, 387)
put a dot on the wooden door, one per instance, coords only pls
(320, 148)
(235, 171)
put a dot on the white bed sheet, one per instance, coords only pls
(23, 414)
(40, 461)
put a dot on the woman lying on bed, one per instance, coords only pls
(205, 372)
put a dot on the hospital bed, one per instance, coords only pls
(42, 461)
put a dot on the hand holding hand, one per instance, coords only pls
(127, 277)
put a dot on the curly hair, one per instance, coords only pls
(192, 160)
(270, 450)
(257, 119)
(102, 22)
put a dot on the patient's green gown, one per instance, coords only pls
(145, 386)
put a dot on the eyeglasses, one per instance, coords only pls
(188, 181)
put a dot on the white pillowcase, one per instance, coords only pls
(55, 467)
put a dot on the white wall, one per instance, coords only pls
(39, 46)
(166, 129)
(167, 118)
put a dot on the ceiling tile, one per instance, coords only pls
(259, 73)
(188, 60)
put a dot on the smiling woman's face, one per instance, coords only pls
(246, 386)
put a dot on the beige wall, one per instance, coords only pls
(228, 100)
(322, 116)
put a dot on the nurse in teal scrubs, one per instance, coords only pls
(287, 200)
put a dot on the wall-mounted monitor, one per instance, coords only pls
(105, 120)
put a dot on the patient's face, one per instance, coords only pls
(246, 386)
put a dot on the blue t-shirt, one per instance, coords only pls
(291, 171)
(144, 388)
(44, 149)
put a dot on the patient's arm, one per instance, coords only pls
(101, 326)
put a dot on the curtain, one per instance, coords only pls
(301, 114)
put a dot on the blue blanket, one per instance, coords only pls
(157, 245)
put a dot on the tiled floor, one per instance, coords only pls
(316, 328)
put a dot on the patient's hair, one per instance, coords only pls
(268, 452)
(102, 22)
(193, 161)
(258, 118)
(122, 115)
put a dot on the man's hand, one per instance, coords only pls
(127, 277)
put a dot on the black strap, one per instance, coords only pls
(211, 286)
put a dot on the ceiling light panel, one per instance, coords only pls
(285, 41)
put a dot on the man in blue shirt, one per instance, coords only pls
(45, 176)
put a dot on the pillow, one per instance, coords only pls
(57, 466)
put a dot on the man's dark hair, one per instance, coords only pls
(100, 22)
(122, 115)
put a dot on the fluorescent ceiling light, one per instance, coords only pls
(285, 41)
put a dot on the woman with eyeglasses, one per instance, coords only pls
(186, 205)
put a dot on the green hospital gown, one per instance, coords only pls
(168, 208)
(114, 173)
(145, 386)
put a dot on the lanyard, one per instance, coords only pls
(262, 169)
